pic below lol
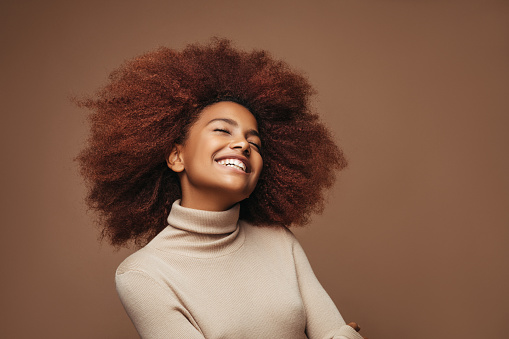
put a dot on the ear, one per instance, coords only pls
(174, 159)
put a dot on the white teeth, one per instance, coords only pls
(234, 163)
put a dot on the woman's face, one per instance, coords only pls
(220, 162)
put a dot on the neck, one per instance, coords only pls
(207, 199)
(206, 204)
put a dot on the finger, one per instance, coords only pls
(355, 326)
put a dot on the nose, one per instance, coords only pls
(241, 144)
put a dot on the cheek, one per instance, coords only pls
(260, 162)
(197, 152)
(259, 166)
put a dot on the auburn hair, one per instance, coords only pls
(149, 104)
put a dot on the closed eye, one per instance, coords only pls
(222, 130)
(255, 145)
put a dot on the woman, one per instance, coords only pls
(205, 156)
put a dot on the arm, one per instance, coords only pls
(154, 311)
(323, 318)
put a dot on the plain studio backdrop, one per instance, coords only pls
(416, 93)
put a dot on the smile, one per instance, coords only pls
(235, 163)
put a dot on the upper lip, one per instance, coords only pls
(238, 157)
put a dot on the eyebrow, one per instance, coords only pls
(235, 124)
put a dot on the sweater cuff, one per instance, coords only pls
(347, 332)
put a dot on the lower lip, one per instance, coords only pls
(231, 168)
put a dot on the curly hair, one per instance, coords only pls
(149, 104)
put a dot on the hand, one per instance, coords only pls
(355, 327)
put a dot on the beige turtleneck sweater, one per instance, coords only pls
(211, 275)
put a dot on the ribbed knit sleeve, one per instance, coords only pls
(323, 320)
(154, 311)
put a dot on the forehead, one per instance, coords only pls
(228, 110)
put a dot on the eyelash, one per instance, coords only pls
(228, 132)
(255, 145)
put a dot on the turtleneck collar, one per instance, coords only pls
(201, 234)
(204, 222)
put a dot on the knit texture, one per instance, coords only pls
(211, 275)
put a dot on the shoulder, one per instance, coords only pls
(138, 263)
(262, 229)
(268, 230)
(279, 236)
(140, 273)
(145, 259)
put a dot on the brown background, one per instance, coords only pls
(414, 242)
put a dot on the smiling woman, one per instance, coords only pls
(220, 162)
(191, 153)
